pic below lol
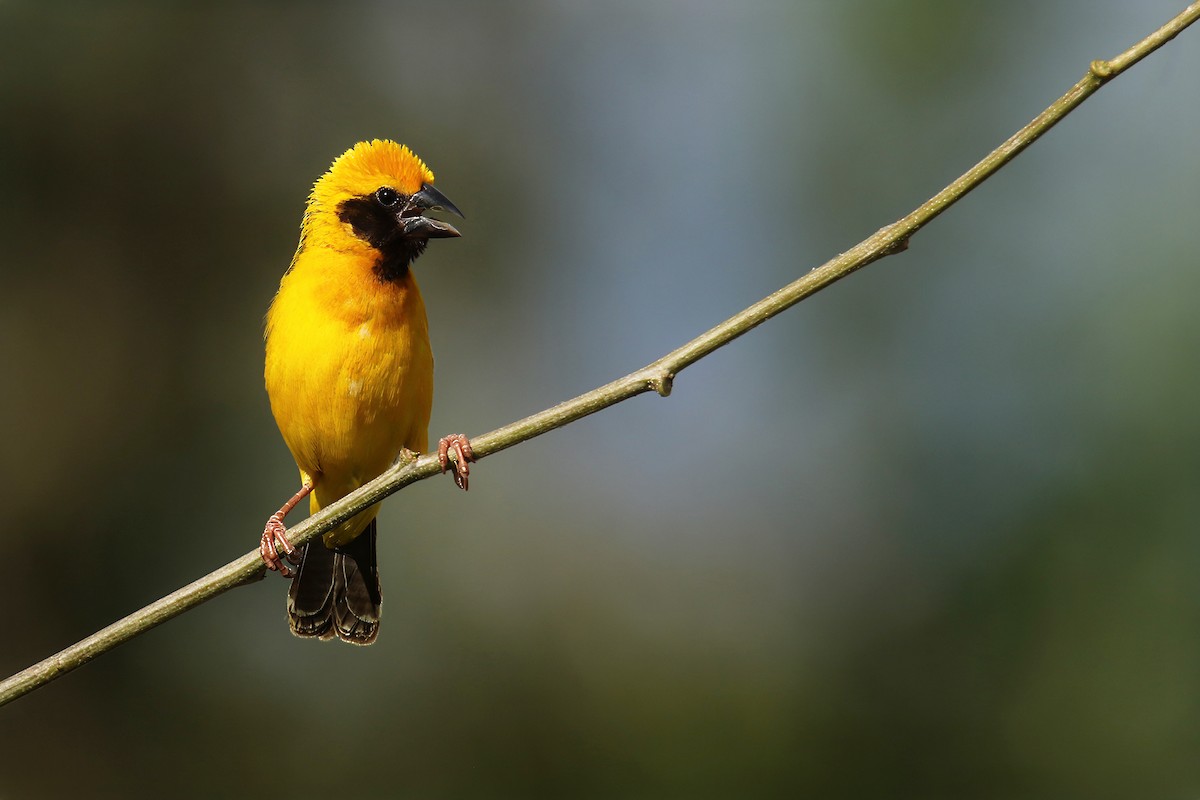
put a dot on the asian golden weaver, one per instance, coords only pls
(350, 374)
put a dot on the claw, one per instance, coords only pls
(460, 465)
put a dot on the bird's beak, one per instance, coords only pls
(417, 226)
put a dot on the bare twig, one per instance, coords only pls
(655, 377)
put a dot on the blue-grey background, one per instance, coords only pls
(931, 533)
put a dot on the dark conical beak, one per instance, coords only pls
(417, 226)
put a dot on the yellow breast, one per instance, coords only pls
(349, 372)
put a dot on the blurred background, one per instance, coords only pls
(931, 533)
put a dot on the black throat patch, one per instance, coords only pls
(378, 227)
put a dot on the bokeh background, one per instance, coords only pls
(931, 533)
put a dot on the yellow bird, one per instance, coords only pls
(349, 372)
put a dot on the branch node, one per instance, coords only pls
(1102, 69)
(662, 383)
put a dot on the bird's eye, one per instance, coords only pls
(387, 196)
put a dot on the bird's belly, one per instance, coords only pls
(369, 414)
(348, 407)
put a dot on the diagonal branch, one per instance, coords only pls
(655, 377)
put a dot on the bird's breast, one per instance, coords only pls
(349, 370)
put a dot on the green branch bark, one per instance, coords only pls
(655, 377)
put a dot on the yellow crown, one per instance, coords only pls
(366, 167)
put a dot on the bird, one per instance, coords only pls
(349, 374)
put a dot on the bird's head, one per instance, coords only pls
(378, 193)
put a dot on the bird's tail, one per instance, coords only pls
(336, 592)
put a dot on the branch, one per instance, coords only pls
(656, 377)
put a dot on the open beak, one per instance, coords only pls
(417, 226)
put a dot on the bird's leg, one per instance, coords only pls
(460, 465)
(274, 536)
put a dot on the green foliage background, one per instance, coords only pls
(932, 533)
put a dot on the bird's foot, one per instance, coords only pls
(460, 465)
(274, 538)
